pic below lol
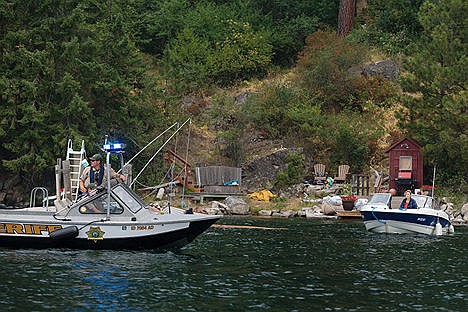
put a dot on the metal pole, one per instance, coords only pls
(108, 168)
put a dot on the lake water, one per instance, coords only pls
(311, 266)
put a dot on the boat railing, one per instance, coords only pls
(45, 197)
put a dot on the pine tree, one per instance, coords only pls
(435, 87)
(69, 70)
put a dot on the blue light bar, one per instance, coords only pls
(113, 147)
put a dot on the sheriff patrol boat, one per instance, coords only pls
(112, 216)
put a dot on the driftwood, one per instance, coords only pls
(227, 226)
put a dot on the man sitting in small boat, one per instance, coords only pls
(408, 202)
(94, 175)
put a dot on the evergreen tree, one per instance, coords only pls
(436, 99)
(69, 70)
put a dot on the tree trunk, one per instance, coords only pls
(346, 17)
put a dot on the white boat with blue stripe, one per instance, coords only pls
(378, 216)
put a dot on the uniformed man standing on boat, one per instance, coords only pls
(94, 175)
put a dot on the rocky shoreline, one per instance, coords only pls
(298, 201)
(320, 210)
(316, 202)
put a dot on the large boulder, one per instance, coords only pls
(237, 205)
(328, 210)
(386, 68)
(219, 208)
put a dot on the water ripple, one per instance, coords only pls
(312, 266)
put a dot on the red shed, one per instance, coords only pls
(406, 165)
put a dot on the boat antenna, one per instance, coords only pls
(108, 148)
(433, 182)
(152, 157)
(136, 155)
(107, 166)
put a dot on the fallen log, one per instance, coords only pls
(228, 226)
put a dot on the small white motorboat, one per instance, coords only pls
(378, 216)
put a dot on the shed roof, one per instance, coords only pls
(401, 141)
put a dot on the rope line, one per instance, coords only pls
(185, 165)
(375, 217)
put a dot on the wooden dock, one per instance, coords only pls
(201, 196)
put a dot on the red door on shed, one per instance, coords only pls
(406, 166)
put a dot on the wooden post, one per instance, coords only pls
(66, 179)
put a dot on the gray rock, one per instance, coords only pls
(262, 172)
(386, 68)
(449, 208)
(237, 205)
(328, 209)
(303, 212)
(214, 211)
(464, 210)
(241, 98)
(289, 213)
(222, 208)
(265, 213)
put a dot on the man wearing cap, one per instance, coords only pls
(94, 175)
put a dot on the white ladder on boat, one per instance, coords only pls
(76, 159)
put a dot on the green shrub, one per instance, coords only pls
(390, 25)
(242, 54)
(294, 172)
(186, 60)
(195, 61)
(232, 146)
(325, 68)
(279, 110)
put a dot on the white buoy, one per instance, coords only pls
(438, 229)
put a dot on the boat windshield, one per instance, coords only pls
(381, 198)
(128, 197)
(423, 201)
(98, 204)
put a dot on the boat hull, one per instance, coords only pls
(421, 221)
(103, 236)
